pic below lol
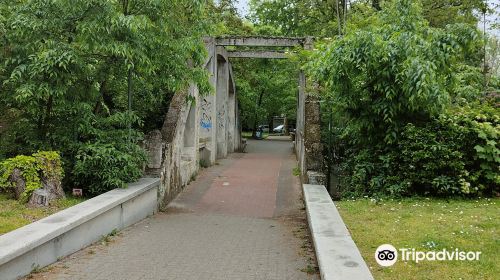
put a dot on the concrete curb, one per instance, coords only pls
(337, 254)
(45, 241)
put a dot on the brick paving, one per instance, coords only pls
(241, 219)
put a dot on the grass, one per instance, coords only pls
(296, 171)
(14, 214)
(427, 225)
(248, 134)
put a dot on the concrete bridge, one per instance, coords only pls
(207, 129)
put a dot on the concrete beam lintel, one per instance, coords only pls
(260, 41)
(257, 54)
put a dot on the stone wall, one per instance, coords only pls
(308, 146)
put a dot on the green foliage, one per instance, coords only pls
(382, 77)
(103, 167)
(440, 13)
(266, 88)
(69, 68)
(296, 17)
(224, 19)
(320, 18)
(456, 153)
(32, 168)
(109, 158)
(402, 95)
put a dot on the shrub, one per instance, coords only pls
(102, 167)
(110, 157)
(454, 154)
(32, 168)
(394, 87)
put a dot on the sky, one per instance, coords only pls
(242, 7)
(491, 18)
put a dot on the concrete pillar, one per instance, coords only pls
(299, 137)
(312, 134)
(309, 110)
(231, 115)
(222, 91)
(207, 110)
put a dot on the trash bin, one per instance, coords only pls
(258, 134)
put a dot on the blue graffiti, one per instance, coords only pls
(206, 125)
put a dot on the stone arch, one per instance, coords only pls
(231, 112)
(189, 128)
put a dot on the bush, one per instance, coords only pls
(388, 74)
(102, 167)
(454, 154)
(32, 168)
(110, 157)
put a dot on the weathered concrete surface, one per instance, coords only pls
(259, 41)
(337, 254)
(312, 134)
(257, 54)
(43, 242)
(196, 132)
(316, 178)
(232, 222)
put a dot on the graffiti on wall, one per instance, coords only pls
(221, 117)
(206, 118)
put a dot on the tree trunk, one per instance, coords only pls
(285, 127)
(259, 102)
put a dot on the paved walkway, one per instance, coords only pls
(241, 219)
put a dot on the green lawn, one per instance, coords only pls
(248, 134)
(15, 215)
(427, 225)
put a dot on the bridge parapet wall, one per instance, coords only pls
(196, 131)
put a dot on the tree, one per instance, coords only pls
(225, 20)
(266, 88)
(384, 76)
(71, 68)
(299, 17)
(440, 13)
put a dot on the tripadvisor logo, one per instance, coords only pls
(387, 255)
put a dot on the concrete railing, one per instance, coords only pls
(337, 254)
(45, 241)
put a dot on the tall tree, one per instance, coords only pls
(439, 13)
(70, 66)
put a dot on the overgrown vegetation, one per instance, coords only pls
(413, 93)
(88, 78)
(31, 169)
(411, 113)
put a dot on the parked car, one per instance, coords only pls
(264, 128)
(280, 128)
